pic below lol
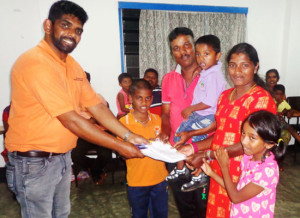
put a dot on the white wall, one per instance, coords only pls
(273, 28)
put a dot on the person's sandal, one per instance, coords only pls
(176, 173)
(196, 182)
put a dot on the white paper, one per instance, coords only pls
(164, 152)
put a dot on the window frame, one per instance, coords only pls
(170, 7)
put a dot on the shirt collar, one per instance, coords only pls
(216, 67)
(46, 47)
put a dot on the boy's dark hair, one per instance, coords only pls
(123, 76)
(279, 87)
(274, 71)
(59, 8)
(139, 84)
(180, 31)
(268, 127)
(151, 70)
(251, 52)
(210, 40)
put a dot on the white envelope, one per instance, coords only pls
(164, 152)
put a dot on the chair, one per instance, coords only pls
(294, 102)
(116, 163)
(85, 157)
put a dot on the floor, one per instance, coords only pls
(109, 200)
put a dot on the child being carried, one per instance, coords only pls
(201, 113)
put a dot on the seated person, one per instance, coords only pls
(272, 78)
(95, 166)
(294, 132)
(5, 116)
(123, 103)
(151, 76)
(283, 109)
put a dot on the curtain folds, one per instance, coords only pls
(154, 27)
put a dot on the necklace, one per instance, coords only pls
(234, 91)
(141, 122)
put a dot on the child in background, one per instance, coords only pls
(202, 111)
(282, 106)
(151, 75)
(283, 109)
(147, 188)
(255, 193)
(123, 103)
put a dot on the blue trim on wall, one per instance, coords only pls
(121, 40)
(173, 7)
(170, 7)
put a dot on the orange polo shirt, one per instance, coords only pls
(144, 171)
(43, 87)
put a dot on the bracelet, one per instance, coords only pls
(207, 155)
(195, 147)
(126, 136)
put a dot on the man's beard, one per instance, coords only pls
(63, 47)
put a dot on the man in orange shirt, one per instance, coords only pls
(48, 89)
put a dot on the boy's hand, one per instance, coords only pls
(222, 157)
(185, 113)
(163, 137)
(184, 136)
(206, 167)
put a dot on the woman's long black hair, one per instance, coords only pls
(251, 52)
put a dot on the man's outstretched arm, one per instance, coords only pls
(89, 132)
(105, 117)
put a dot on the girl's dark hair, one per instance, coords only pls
(251, 52)
(59, 8)
(139, 84)
(268, 127)
(274, 71)
(123, 76)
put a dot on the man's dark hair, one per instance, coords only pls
(151, 70)
(139, 84)
(210, 40)
(180, 31)
(123, 76)
(59, 8)
(279, 87)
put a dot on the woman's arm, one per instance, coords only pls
(196, 160)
